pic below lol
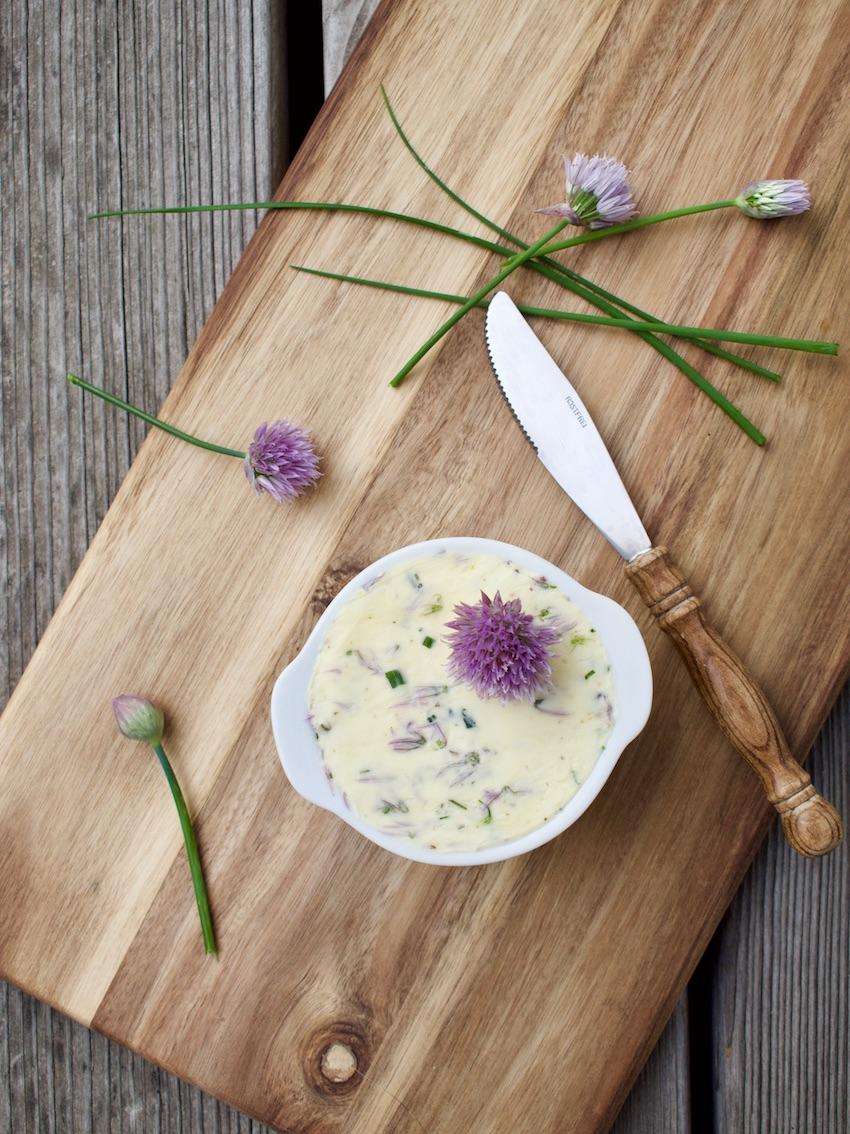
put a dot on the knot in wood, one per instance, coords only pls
(331, 583)
(338, 1062)
(335, 1058)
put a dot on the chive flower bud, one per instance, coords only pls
(138, 719)
(767, 200)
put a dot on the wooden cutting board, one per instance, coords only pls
(523, 996)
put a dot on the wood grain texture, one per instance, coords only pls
(343, 23)
(811, 825)
(660, 1099)
(62, 1077)
(781, 989)
(100, 105)
(453, 510)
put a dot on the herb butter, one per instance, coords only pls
(421, 757)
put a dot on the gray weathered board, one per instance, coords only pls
(88, 124)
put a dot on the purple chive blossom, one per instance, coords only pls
(368, 661)
(598, 192)
(414, 739)
(281, 460)
(500, 651)
(421, 694)
(770, 199)
(607, 709)
(467, 765)
(437, 734)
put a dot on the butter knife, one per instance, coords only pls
(556, 422)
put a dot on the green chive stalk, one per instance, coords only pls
(141, 720)
(638, 222)
(710, 348)
(320, 206)
(679, 330)
(565, 277)
(434, 226)
(510, 267)
(815, 346)
(719, 399)
(151, 420)
(195, 869)
(553, 269)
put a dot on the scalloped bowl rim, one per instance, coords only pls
(300, 754)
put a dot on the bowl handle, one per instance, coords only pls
(296, 741)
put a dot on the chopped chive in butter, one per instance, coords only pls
(400, 806)
(395, 678)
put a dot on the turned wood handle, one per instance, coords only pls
(811, 825)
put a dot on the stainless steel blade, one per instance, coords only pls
(559, 427)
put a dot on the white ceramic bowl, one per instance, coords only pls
(299, 750)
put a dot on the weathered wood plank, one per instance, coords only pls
(105, 106)
(782, 982)
(64, 1078)
(660, 1099)
(343, 22)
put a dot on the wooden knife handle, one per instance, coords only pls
(811, 825)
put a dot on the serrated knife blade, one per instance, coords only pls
(557, 423)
